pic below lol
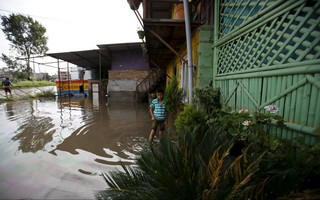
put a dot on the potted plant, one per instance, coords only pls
(140, 34)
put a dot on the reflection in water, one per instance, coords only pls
(119, 126)
(65, 144)
(34, 134)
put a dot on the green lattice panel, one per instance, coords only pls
(293, 35)
(234, 13)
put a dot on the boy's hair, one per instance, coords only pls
(160, 91)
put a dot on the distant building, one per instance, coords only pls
(64, 76)
(40, 76)
(76, 73)
(4, 73)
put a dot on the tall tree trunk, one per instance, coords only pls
(28, 66)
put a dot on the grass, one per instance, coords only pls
(42, 94)
(46, 94)
(19, 98)
(31, 84)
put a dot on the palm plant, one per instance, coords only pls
(202, 164)
(182, 169)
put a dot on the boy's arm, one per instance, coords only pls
(152, 115)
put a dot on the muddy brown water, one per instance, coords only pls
(58, 148)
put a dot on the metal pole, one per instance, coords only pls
(59, 79)
(189, 48)
(68, 78)
(100, 71)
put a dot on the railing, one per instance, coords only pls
(149, 83)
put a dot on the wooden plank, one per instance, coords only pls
(305, 103)
(252, 90)
(264, 81)
(283, 81)
(293, 100)
(317, 110)
(258, 90)
(313, 106)
(230, 84)
(274, 92)
(287, 107)
(246, 100)
(297, 117)
(298, 110)
(239, 98)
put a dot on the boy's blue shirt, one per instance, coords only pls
(159, 109)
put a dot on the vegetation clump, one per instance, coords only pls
(190, 118)
(31, 84)
(174, 97)
(209, 99)
(46, 94)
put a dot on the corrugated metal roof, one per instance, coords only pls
(89, 59)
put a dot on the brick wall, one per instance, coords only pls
(137, 75)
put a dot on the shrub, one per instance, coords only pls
(174, 97)
(189, 118)
(46, 93)
(209, 99)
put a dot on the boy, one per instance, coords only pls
(158, 115)
(6, 85)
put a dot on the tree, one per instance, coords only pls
(17, 70)
(26, 35)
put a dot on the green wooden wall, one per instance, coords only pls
(268, 52)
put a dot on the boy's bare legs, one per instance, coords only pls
(152, 135)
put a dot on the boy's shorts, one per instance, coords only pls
(157, 123)
(7, 90)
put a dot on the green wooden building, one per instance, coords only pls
(268, 53)
(259, 52)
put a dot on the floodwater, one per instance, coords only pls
(58, 148)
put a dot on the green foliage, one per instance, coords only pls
(26, 35)
(2, 100)
(46, 93)
(174, 96)
(200, 165)
(31, 84)
(189, 118)
(18, 71)
(208, 98)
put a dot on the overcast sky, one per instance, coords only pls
(75, 25)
